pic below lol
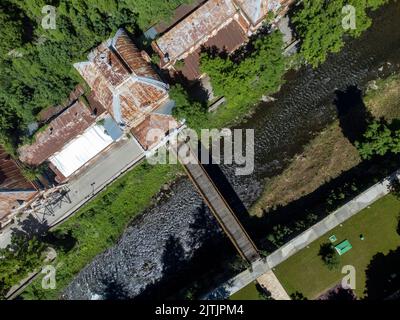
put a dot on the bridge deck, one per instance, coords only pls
(220, 208)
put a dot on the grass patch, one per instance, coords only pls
(99, 224)
(306, 273)
(329, 154)
(249, 292)
(383, 97)
(323, 159)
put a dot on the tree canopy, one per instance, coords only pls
(36, 64)
(185, 108)
(319, 24)
(329, 256)
(17, 260)
(246, 81)
(379, 139)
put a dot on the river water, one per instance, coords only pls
(178, 240)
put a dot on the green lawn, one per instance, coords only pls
(99, 223)
(249, 292)
(305, 272)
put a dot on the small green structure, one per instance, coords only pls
(332, 238)
(343, 247)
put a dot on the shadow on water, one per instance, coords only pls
(114, 291)
(306, 211)
(303, 107)
(177, 270)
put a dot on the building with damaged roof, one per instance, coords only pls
(15, 190)
(224, 24)
(123, 80)
(71, 140)
(126, 94)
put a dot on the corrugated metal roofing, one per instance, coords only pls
(196, 28)
(14, 187)
(11, 177)
(122, 80)
(179, 13)
(10, 201)
(154, 127)
(228, 38)
(69, 124)
(81, 150)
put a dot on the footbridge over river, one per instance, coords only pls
(216, 202)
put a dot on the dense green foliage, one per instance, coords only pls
(243, 83)
(185, 108)
(379, 139)
(38, 72)
(11, 33)
(329, 256)
(319, 24)
(99, 223)
(17, 260)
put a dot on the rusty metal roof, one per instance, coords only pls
(179, 14)
(14, 187)
(11, 177)
(228, 38)
(69, 124)
(121, 79)
(160, 123)
(195, 28)
(10, 201)
(47, 114)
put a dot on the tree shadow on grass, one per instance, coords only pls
(352, 112)
(383, 275)
(338, 293)
(31, 227)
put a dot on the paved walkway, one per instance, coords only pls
(116, 161)
(351, 208)
(270, 282)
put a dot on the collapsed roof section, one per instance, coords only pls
(11, 201)
(153, 129)
(11, 177)
(15, 189)
(122, 80)
(59, 132)
(255, 10)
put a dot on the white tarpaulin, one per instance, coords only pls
(81, 150)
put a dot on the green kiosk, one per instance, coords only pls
(343, 247)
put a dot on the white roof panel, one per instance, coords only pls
(78, 152)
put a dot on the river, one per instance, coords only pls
(178, 240)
